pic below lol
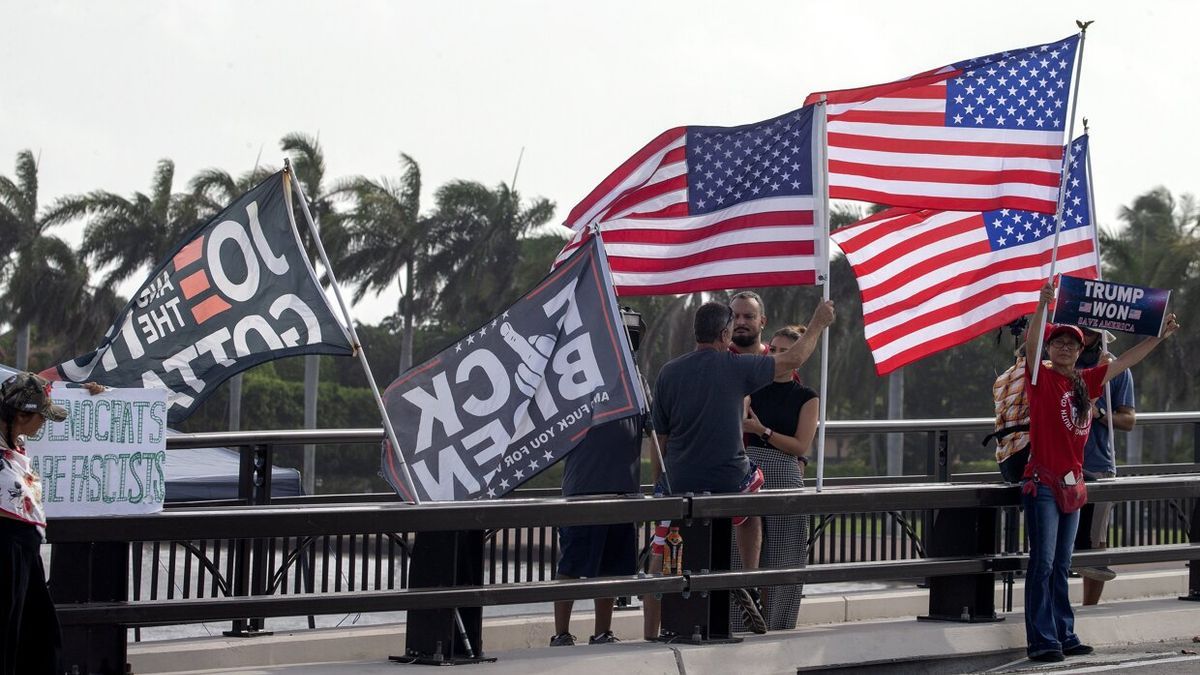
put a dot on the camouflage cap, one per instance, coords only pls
(29, 393)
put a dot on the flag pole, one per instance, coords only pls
(1062, 187)
(1091, 197)
(822, 204)
(594, 229)
(362, 355)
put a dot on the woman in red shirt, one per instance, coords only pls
(1059, 422)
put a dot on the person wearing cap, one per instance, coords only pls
(31, 637)
(1060, 417)
(1099, 458)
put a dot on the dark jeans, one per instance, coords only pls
(1049, 620)
(31, 635)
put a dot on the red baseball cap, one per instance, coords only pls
(1054, 330)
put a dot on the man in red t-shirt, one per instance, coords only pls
(1060, 417)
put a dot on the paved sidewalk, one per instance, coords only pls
(810, 648)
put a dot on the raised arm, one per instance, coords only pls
(1032, 358)
(1139, 351)
(795, 357)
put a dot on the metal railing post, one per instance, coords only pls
(250, 555)
(943, 455)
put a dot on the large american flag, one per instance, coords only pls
(981, 134)
(708, 208)
(931, 280)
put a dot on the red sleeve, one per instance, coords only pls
(1094, 379)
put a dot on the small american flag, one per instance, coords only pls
(709, 208)
(981, 134)
(931, 280)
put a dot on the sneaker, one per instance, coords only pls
(605, 638)
(1097, 573)
(750, 603)
(1048, 657)
(1078, 650)
(562, 640)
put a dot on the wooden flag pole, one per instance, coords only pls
(1062, 189)
(408, 486)
(822, 204)
(1091, 197)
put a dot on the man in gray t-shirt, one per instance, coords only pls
(698, 410)
(698, 402)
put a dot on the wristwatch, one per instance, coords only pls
(766, 435)
(1101, 413)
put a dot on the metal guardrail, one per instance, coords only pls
(253, 573)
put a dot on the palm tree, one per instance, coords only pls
(214, 189)
(1160, 247)
(308, 166)
(386, 236)
(477, 233)
(34, 265)
(131, 233)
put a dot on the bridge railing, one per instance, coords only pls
(259, 557)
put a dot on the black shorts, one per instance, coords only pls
(597, 550)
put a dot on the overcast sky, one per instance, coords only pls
(102, 90)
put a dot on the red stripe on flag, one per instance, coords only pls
(614, 179)
(944, 147)
(919, 82)
(955, 176)
(647, 193)
(916, 119)
(920, 239)
(208, 308)
(189, 254)
(770, 249)
(194, 284)
(666, 235)
(943, 203)
(723, 282)
(860, 235)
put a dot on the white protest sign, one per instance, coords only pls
(108, 457)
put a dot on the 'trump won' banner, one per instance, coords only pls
(237, 292)
(516, 395)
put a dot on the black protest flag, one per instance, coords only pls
(237, 292)
(517, 394)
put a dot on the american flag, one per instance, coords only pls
(709, 208)
(931, 280)
(981, 134)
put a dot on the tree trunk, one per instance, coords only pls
(312, 378)
(406, 339)
(23, 346)
(895, 442)
(235, 402)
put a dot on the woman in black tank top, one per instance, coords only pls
(782, 421)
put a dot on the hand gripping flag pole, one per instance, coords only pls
(821, 183)
(408, 490)
(1091, 197)
(1062, 188)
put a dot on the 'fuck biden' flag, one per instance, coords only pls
(518, 393)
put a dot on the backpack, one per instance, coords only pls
(1012, 412)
